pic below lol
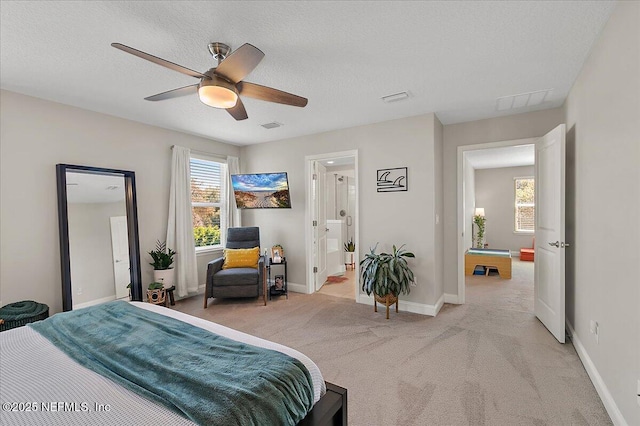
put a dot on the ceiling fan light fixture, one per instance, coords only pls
(217, 93)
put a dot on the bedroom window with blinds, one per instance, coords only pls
(525, 204)
(207, 201)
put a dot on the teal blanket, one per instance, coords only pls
(206, 377)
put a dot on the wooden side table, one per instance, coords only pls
(170, 299)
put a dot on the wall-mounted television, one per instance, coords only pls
(261, 191)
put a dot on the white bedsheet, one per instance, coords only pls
(39, 384)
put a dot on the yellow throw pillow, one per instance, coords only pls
(241, 258)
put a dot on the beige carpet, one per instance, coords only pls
(489, 362)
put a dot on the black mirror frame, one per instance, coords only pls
(132, 228)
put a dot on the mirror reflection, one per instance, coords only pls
(98, 238)
(98, 228)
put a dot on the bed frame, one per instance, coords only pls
(498, 259)
(330, 410)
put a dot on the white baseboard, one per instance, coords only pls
(298, 288)
(406, 306)
(451, 298)
(94, 302)
(606, 397)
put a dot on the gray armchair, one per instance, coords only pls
(236, 282)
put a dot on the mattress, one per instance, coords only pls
(42, 385)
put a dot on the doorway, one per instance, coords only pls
(486, 157)
(332, 212)
(549, 225)
(499, 187)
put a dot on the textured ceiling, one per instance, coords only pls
(454, 58)
(94, 188)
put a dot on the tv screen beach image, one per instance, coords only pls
(261, 190)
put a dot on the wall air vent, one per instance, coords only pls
(522, 100)
(395, 97)
(271, 125)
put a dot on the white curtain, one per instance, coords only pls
(232, 213)
(180, 224)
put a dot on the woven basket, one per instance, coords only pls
(21, 313)
(383, 299)
(157, 297)
(387, 300)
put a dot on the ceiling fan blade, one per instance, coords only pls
(175, 93)
(270, 94)
(238, 112)
(240, 63)
(158, 61)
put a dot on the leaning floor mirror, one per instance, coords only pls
(99, 246)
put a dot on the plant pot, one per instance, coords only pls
(387, 300)
(157, 297)
(349, 259)
(164, 276)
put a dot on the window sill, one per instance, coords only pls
(206, 251)
(524, 232)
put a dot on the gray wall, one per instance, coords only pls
(90, 250)
(495, 193)
(603, 201)
(520, 126)
(35, 135)
(385, 218)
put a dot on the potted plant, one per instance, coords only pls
(156, 293)
(479, 221)
(349, 248)
(386, 275)
(162, 257)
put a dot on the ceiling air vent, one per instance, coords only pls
(395, 97)
(522, 100)
(271, 125)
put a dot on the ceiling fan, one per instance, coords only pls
(220, 87)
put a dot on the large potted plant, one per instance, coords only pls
(162, 257)
(386, 275)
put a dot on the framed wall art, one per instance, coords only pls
(392, 180)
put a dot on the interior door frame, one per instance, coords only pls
(309, 206)
(460, 229)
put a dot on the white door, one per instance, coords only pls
(320, 221)
(120, 250)
(549, 291)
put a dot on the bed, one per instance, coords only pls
(489, 258)
(49, 380)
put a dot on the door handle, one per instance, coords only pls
(556, 244)
(563, 245)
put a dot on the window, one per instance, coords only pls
(525, 204)
(207, 201)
